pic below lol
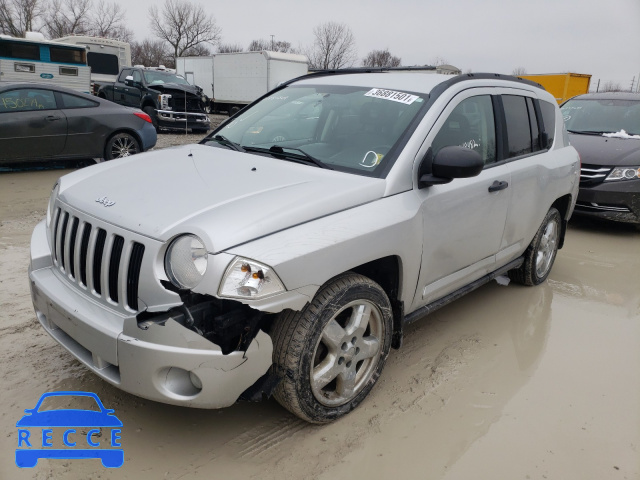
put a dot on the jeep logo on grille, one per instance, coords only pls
(105, 201)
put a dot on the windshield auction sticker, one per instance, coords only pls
(392, 95)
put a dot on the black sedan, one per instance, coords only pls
(605, 129)
(46, 122)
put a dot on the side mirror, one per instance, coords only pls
(452, 162)
(128, 81)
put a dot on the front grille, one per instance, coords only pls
(192, 104)
(592, 175)
(103, 263)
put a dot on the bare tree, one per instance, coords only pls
(438, 61)
(109, 20)
(519, 71)
(20, 16)
(229, 48)
(151, 53)
(66, 17)
(610, 86)
(183, 25)
(334, 47)
(200, 50)
(272, 46)
(381, 58)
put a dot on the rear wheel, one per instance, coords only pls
(331, 354)
(121, 145)
(541, 253)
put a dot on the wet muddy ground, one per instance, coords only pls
(506, 383)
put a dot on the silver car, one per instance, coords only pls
(251, 265)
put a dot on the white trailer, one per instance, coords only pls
(233, 80)
(105, 56)
(35, 59)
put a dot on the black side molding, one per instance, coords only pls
(441, 302)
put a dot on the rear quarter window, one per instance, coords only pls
(518, 127)
(548, 120)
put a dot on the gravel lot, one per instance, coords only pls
(506, 383)
(172, 138)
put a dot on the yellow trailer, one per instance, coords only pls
(562, 86)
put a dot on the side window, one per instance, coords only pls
(27, 100)
(124, 74)
(549, 120)
(137, 76)
(533, 122)
(518, 127)
(71, 101)
(470, 125)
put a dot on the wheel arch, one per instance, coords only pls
(131, 132)
(563, 204)
(387, 272)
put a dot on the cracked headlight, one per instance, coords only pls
(246, 278)
(624, 173)
(52, 202)
(186, 261)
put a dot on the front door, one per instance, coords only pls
(464, 220)
(31, 125)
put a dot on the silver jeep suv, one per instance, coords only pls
(285, 253)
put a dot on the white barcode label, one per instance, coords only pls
(392, 95)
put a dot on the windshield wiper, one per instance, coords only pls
(281, 151)
(228, 143)
(587, 132)
(278, 152)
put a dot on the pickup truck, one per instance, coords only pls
(167, 98)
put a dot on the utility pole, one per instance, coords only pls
(633, 82)
(598, 86)
(272, 42)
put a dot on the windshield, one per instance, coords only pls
(353, 129)
(158, 78)
(602, 116)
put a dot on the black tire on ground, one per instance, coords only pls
(233, 111)
(154, 116)
(121, 145)
(199, 130)
(331, 354)
(541, 253)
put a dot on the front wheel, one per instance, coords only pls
(541, 253)
(331, 354)
(153, 115)
(121, 145)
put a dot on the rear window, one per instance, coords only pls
(27, 51)
(548, 120)
(68, 55)
(104, 63)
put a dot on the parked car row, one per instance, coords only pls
(40, 122)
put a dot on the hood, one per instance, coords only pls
(225, 197)
(599, 150)
(173, 87)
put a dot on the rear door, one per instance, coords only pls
(463, 220)
(32, 126)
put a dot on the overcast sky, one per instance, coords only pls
(597, 37)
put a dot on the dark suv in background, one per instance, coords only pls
(605, 129)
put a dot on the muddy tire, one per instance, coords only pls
(331, 354)
(154, 116)
(541, 253)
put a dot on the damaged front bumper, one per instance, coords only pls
(158, 358)
(173, 119)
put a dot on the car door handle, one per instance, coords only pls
(52, 118)
(495, 186)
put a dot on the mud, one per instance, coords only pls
(508, 382)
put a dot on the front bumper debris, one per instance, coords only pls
(165, 362)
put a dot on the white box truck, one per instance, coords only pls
(233, 80)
